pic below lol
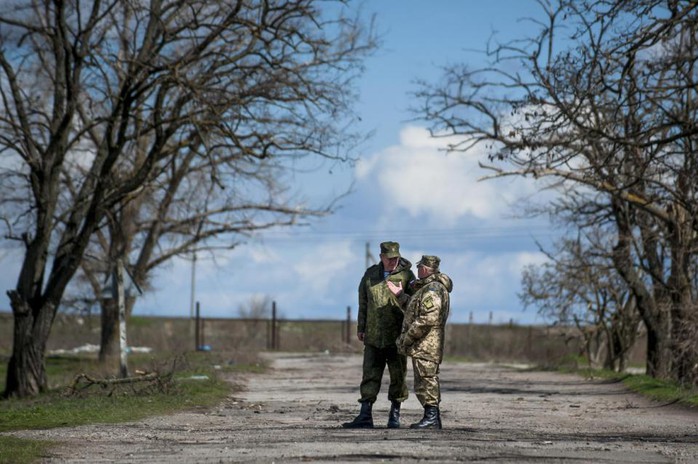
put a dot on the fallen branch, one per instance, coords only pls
(83, 381)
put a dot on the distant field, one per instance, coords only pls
(478, 342)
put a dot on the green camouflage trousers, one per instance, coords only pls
(375, 360)
(426, 381)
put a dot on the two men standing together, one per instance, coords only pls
(401, 316)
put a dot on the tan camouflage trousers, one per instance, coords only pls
(426, 381)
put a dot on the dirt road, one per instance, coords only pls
(490, 413)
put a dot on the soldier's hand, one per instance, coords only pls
(395, 289)
(360, 336)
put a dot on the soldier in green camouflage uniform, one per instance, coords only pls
(379, 324)
(422, 335)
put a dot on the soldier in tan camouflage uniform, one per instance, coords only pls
(422, 335)
(379, 324)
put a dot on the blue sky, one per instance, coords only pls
(404, 188)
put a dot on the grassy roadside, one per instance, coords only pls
(661, 390)
(188, 381)
(658, 390)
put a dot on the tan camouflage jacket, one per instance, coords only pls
(425, 318)
(380, 316)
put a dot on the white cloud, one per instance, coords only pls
(325, 264)
(306, 279)
(482, 251)
(364, 166)
(263, 255)
(526, 258)
(419, 177)
(418, 137)
(487, 282)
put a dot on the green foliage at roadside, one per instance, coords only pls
(55, 409)
(194, 382)
(21, 451)
(656, 389)
(571, 362)
(139, 321)
(661, 390)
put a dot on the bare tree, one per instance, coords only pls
(183, 212)
(604, 99)
(579, 287)
(104, 101)
(257, 307)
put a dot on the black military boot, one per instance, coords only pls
(364, 420)
(394, 416)
(431, 419)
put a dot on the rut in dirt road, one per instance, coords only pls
(294, 413)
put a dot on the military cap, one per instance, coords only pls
(390, 249)
(430, 262)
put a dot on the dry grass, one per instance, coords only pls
(235, 338)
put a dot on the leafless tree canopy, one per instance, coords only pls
(257, 307)
(579, 287)
(603, 100)
(158, 106)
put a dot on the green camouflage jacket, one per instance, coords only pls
(380, 316)
(422, 333)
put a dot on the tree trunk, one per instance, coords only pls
(26, 371)
(683, 306)
(685, 340)
(610, 361)
(109, 341)
(653, 304)
(659, 353)
(109, 344)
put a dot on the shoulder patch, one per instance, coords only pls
(431, 301)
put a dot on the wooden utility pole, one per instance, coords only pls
(193, 286)
(197, 328)
(369, 257)
(274, 333)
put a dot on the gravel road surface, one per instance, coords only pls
(491, 413)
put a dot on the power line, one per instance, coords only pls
(490, 233)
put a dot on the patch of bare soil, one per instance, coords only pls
(490, 413)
